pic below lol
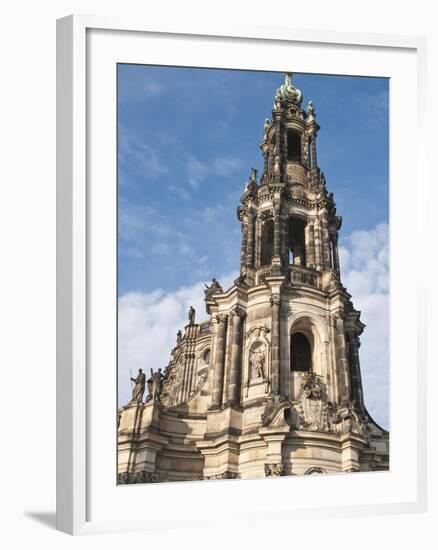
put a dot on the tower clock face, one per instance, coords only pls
(258, 319)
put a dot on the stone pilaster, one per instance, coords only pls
(356, 378)
(326, 260)
(275, 344)
(313, 147)
(219, 361)
(310, 250)
(250, 239)
(236, 354)
(342, 362)
(335, 254)
(317, 236)
(243, 248)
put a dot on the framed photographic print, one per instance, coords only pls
(232, 230)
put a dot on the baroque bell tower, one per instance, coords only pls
(270, 383)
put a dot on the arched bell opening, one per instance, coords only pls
(296, 242)
(300, 353)
(267, 242)
(293, 146)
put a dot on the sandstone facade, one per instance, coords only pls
(270, 383)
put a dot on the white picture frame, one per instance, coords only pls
(77, 230)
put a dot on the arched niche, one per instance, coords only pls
(257, 355)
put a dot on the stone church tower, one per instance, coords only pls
(270, 383)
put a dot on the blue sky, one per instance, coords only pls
(187, 139)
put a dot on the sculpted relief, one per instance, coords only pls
(312, 407)
(184, 377)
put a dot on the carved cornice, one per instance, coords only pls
(138, 477)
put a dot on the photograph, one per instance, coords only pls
(252, 274)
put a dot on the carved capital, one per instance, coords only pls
(275, 300)
(221, 318)
(238, 312)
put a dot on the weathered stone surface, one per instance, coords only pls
(243, 396)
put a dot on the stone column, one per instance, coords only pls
(265, 161)
(250, 241)
(326, 256)
(335, 253)
(275, 344)
(310, 252)
(342, 362)
(277, 228)
(356, 378)
(244, 244)
(314, 159)
(219, 361)
(278, 162)
(318, 255)
(236, 354)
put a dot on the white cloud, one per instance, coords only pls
(148, 322)
(153, 88)
(196, 171)
(134, 153)
(365, 274)
(226, 166)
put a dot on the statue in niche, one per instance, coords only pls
(313, 406)
(257, 361)
(139, 387)
(192, 313)
(155, 385)
(212, 289)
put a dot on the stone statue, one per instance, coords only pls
(257, 361)
(139, 387)
(178, 337)
(155, 384)
(192, 315)
(266, 128)
(310, 109)
(212, 289)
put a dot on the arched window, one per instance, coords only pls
(301, 358)
(293, 146)
(267, 242)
